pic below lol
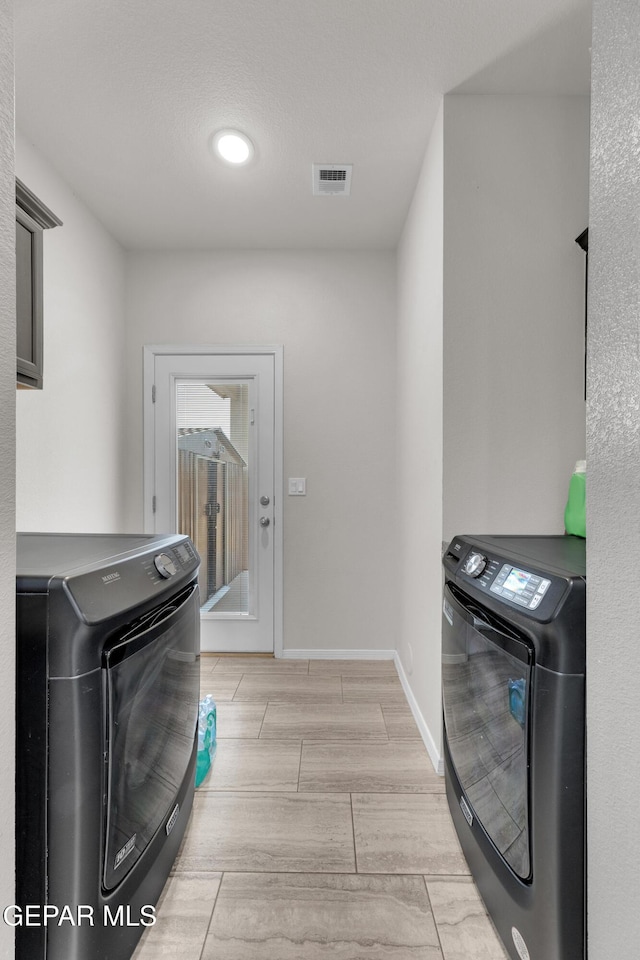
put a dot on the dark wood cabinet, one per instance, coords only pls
(32, 219)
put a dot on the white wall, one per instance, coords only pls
(613, 509)
(70, 434)
(7, 471)
(516, 197)
(335, 314)
(490, 345)
(419, 437)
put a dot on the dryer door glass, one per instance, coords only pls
(486, 675)
(153, 679)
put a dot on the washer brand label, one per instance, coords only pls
(520, 945)
(124, 852)
(171, 822)
(111, 577)
(447, 609)
(464, 806)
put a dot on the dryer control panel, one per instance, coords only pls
(521, 585)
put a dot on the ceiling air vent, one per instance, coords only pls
(332, 179)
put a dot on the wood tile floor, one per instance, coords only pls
(322, 830)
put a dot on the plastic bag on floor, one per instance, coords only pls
(206, 737)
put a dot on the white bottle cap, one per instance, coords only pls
(580, 467)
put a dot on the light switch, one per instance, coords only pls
(297, 486)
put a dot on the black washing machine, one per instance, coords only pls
(108, 671)
(513, 673)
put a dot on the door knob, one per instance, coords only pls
(264, 521)
(264, 500)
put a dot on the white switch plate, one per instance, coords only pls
(297, 486)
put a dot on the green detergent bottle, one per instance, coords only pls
(575, 512)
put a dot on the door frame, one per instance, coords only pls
(149, 354)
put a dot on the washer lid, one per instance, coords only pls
(43, 555)
(104, 576)
(563, 554)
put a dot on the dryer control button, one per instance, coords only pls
(474, 564)
(165, 565)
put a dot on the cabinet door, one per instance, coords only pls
(32, 217)
(28, 300)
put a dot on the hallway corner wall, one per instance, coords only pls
(516, 197)
(420, 438)
(613, 504)
(7, 470)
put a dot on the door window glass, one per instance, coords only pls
(212, 424)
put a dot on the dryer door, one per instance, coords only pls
(486, 679)
(153, 681)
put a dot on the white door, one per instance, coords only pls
(213, 475)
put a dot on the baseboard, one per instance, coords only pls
(338, 654)
(427, 738)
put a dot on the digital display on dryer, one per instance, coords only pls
(517, 581)
(520, 586)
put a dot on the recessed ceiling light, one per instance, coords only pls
(233, 146)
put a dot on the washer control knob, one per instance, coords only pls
(474, 564)
(165, 566)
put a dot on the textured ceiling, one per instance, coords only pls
(122, 99)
